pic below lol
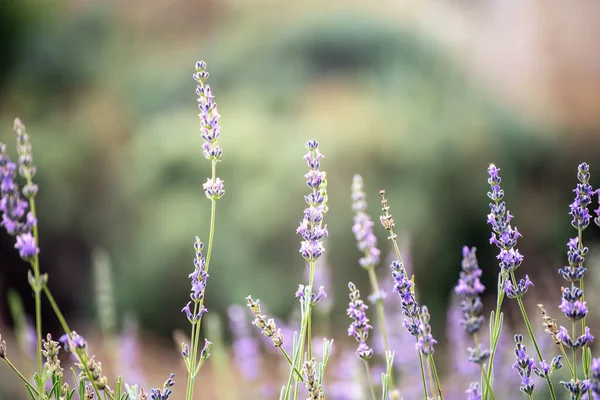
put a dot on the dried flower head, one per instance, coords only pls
(309, 373)
(267, 326)
(2, 347)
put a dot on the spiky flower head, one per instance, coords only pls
(311, 228)
(359, 328)
(504, 236)
(267, 326)
(363, 225)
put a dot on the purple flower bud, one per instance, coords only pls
(518, 291)
(359, 328)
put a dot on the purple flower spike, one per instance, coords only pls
(425, 341)
(470, 288)
(75, 340)
(165, 392)
(363, 225)
(311, 228)
(503, 235)
(405, 289)
(524, 366)
(209, 116)
(193, 310)
(359, 328)
(518, 291)
(473, 392)
(583, 197)
(12, 206)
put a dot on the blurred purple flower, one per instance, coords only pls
(363, 225)
(246, 353)
(359, 328)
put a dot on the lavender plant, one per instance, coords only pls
(307, 365)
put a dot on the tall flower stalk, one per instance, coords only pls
(573, 304)
(504, 236)
(214, 189)
(417, 322)
(313, 231)
(470, 288)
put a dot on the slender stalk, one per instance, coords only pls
(495, 334)
(531, 335)
(399, 256)
(303, 330)
(485, 377)
(289, 360)
(20, 375)
(196, 332)
(436, 377)
(370, 380)
(35, 265)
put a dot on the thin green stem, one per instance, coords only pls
(194, 344)
(370, 380)
(495, 333)
(289, 360)
(564, 354)
(35, 264)
(531, 335)
(423, 378)
(436, 377)
(20, 375)
(485, 377)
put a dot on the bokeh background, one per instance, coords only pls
(418, 97)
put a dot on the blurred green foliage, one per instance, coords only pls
(125, 171)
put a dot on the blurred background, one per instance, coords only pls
(418, 97)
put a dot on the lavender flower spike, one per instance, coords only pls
(194, 310)
(524, 366)
(363, 225)
(12, 206)
(165, 392)
(425, 341)
(311, 228)
(470, 288)
(503, 236)
(359, 328)
(405, 289)
(209, 126)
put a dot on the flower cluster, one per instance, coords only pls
(405, 289)
(517, 291)
(469, 287)
(425, 341)
(583, 198)
(363, 225)
(198, 278)
(311, 228)
(165, 392)
(268, 327)
(15, 218)
(524, 366)
(309, 373)
(209, 126)
(504, 236)
(304, 291)
(359, 328)
(595, 377)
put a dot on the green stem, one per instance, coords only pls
(423, 379)
(289, 360)
(35, 264)
(495, 333)
(483, 374)
(20, 375)
(437, 378)
(194, 344)
(370, 380)
(531, 335)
